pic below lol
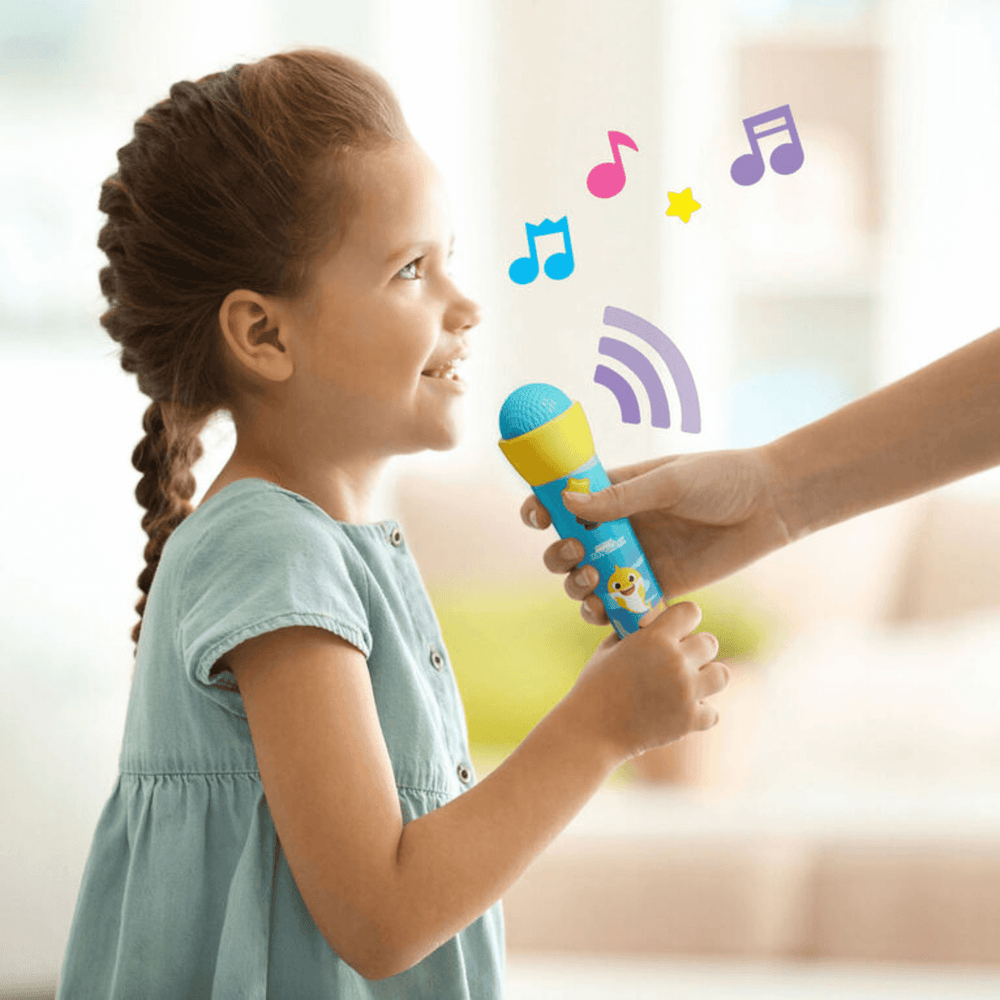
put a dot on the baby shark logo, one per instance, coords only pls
(628, 588)
(611, 545)
(581, 486)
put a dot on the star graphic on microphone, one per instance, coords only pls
(682, 204)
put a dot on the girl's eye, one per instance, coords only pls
(407, 273)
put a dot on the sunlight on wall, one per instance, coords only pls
(940, 261)
(437, 56)
(943, 103)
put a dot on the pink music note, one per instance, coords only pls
(607, 179)
(785, 159)
(524, 270)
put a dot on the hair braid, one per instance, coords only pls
(234, 181)
(166, 486)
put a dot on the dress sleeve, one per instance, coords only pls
(263, 565)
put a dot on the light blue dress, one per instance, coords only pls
(186, 893)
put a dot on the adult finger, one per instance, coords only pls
(533, 514)
(562, 556)
(593, 611)
(659, 488)
(580, 583)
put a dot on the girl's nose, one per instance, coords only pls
(464, 314)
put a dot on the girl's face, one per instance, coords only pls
(383, 313)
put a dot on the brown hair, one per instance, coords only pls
(235, 181)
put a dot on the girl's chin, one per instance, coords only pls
(446, 441)
(441, 438)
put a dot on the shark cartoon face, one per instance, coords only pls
(628, 588)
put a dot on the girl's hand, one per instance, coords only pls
(647, 689)
(697, 517)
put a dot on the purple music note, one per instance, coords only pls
(524, 270)
(785, 159)
(607, 179)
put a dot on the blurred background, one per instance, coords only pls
(839, 833)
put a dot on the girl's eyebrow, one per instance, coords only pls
(415, 249)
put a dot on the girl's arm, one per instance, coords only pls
(385, 895)
(937, 425)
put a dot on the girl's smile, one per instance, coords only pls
(448, 374)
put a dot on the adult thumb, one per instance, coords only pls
(653, 489)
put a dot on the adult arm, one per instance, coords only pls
(935, 426)
(700, 517)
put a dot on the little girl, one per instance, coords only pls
(296, 814)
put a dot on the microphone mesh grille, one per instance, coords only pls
(531, 406)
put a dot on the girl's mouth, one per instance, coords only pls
(447, 372)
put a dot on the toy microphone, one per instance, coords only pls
(546, 437)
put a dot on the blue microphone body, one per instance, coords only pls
(545, 436)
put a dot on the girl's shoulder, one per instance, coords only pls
(253, 558)
(257, 514)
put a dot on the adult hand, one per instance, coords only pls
(698, 518)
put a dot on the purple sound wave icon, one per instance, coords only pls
(643, 368)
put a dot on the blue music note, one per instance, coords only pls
(786, 159)
(524, 270)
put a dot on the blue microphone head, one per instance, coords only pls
(531, 406)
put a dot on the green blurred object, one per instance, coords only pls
(517, 650)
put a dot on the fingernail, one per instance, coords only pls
(582, 578)
(583, 498)
(532, 519)
(569, 549)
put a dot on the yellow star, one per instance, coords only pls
(682, 205)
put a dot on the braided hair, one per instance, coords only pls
(236, 180)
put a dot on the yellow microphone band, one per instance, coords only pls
(553, 449)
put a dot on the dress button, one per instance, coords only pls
(464, 774)
(396, 537)
(436, 659)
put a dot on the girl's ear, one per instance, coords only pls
(252, 330)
